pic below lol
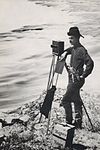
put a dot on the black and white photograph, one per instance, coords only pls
(49, 75)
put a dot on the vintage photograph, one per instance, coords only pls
(49, 75)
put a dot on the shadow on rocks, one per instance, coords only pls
(79, 147)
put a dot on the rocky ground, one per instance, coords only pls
(20, 129)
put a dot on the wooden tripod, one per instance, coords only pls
(56, 67)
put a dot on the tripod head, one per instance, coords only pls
(57, 47)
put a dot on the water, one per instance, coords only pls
(27, 28)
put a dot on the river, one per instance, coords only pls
(27, 28)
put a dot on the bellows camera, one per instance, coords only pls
(57, 47)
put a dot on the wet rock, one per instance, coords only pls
(27, 28)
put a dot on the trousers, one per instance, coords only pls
(72, 95)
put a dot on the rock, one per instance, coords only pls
(25, 118)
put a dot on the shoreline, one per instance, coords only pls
(29, 134)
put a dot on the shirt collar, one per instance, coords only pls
(77, 45)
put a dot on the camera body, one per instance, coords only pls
(57, 47)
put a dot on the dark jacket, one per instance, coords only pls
(79, 58)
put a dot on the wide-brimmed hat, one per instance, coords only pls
(75, 32)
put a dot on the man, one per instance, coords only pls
(77, 75)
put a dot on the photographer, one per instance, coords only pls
(77, 75)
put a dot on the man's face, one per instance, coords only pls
(73, 40)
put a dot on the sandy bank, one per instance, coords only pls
(25, 133)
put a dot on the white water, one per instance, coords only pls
(25, 54)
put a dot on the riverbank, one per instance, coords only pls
(22, 129)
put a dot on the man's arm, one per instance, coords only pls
(89, 65)
(67, 52)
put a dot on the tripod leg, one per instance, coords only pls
(48, 122)
(53, 73)
(87, 115)
(40, 118)
(57, 79)
(51, 69)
